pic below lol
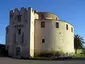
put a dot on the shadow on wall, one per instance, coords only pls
(3, 52)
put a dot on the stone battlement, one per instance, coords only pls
(40, 15)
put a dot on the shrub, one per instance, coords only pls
(51, 54)
(59, 53)
(46, 54)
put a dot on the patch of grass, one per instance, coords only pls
(79, 56)
(36, 57)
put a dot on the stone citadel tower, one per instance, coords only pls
(30, 32)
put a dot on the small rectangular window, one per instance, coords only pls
(17, 51)
(66, 27)
(43, 40)
(22, 37)
(42, 24)
(57, 25)
(19, 31)
(71, 29)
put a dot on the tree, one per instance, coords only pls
(78, 42)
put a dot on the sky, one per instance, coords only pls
(72, 11)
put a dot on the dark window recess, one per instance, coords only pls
(19, 17)
(19, 31)
(71, 29)
(57, 25)
(22, 37)
(17, 51)
(42, 24)
(66, 27)
(19, 25)
(43, 40)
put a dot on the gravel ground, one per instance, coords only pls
(5, 60)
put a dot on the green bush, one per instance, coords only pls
(50, 54)
(46, 54)
(59, 53)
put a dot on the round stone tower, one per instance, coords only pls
(52, 34)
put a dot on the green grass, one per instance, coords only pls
(79, 56)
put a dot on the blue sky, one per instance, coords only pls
(72, 11)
